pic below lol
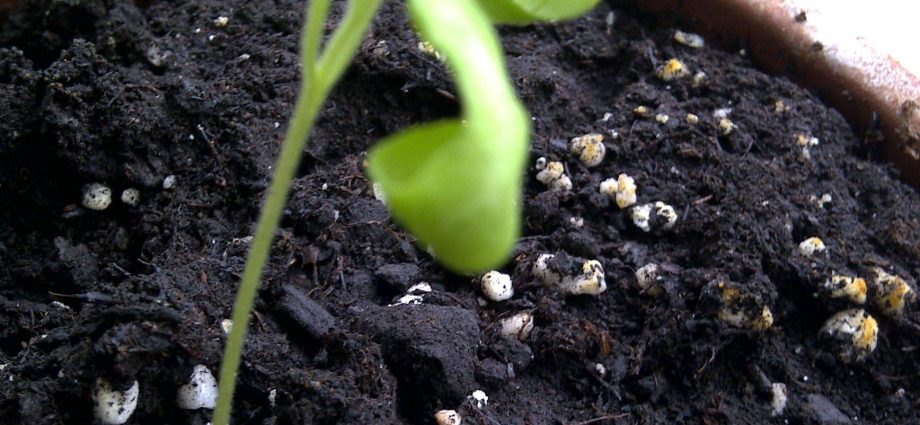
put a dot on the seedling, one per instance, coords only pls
(319, 74)
(521, 12)
(455, 184)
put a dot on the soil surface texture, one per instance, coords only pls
(189, 110)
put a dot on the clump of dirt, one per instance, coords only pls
(135, 95)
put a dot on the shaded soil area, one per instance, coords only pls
(134, 95)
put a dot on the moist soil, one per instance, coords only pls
(128, 94)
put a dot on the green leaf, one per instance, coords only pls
(445, 190)
(456, 184)
(522, 12)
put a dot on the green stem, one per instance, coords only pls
(319, 76)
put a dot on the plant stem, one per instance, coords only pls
(319, 75)
(294, 142)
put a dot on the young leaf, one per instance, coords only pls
(522, 12)
(456, 184)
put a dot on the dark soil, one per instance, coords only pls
(125, 94)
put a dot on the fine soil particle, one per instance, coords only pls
(128, 94)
